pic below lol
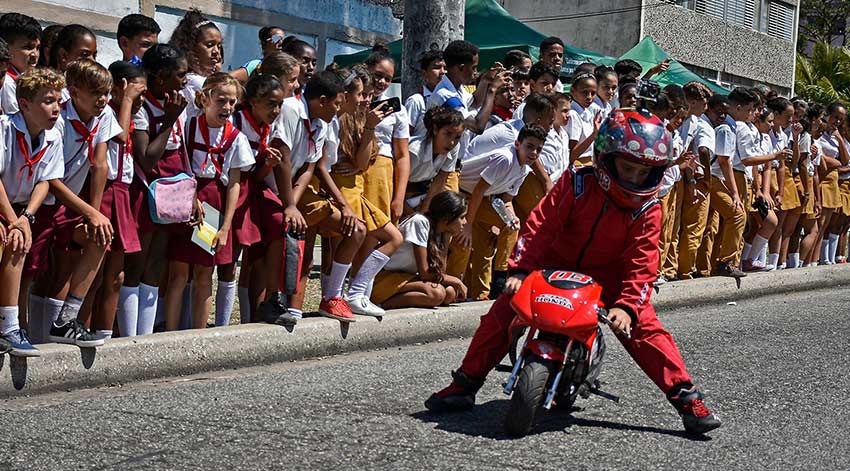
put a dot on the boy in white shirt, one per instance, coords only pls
(432, 68)
(485, 177)
(23, 37)
(552, 52)
(543, 77)
(30, 158)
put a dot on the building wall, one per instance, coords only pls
(333, 26)
(610, 27)
(711, 43)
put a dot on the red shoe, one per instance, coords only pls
(336, 308)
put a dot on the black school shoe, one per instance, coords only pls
(74, 333)
(275, 311)
(696, 417)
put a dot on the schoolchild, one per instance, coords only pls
(432, 67)
(271, 40)
(22, 34)
(201, 40)
(584, 123)
(136, 34)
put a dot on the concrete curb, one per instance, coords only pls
(171, 354)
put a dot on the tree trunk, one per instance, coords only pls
(427, 24)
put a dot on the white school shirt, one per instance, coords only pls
(580, 126)
(242, 119)
(76, 153)
(238, 155)
(806, 147)
(704, 136)
(305, 137)
(8, 97)
(599, 106)
(332, 144)
(499, 137)
(559, 87)
(116, 151)
(394, 126)
(673, 173)
(194, 83)
(414, 230)
(778, 142)
(16, 177)
(416, 106)
(747, 144)
(555, 155)
(500, 169)
(688, 130)
(447, 95)
(423, 165)
(724, 145)
(152, 111)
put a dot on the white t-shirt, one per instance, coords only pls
(394, 126)
(8, 97)
(423, 165)
(415, 231)
(748, 144)
(304, 137)
(580, 126)
(599, 106)
(555, 155)
(119, 155)
(416, 106)
(76, 153)
(704, 136)
(153, 111)
(500, 169)
(209, 165)
(17, 179)
(724, 146)
(500, 136)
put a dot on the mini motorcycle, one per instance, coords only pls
(561, 357)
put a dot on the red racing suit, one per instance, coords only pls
(576, 227)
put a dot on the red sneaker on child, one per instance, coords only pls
(336, 308)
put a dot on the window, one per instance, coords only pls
(736, 12)
(780, 21)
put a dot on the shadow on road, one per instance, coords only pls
(487, 420)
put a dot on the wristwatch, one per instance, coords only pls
(30, 216)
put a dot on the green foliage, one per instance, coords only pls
(823, 21)
(825, 77)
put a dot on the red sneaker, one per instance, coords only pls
(336, 308)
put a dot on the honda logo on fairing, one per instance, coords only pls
(556, 300)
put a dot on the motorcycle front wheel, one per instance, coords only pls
(528, 395)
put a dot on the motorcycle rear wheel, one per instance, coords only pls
(527, 399)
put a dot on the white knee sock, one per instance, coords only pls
(370, 287)
(103, 334)
(373, 264)
(52, 308)
(8, 319)
(745, 254)
(225, 298)
(128, 311)
(35, 314)
(773, 259)
(244, 305)
(148, 309)
(336, 279)
(759, 243)
(833, 247)
(824, 251)
(793, 260)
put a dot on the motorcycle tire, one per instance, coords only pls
(527, 399)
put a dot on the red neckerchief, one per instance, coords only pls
(29, 163)
(205, 134)
(175, 136)
(86, 136)
(503, 112)
(127, 147)
(12, 72)
(311, 147)
(262, 131)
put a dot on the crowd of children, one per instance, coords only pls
(126, 190)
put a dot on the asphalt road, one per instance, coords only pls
(774, 369)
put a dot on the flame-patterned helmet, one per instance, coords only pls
(639, 137)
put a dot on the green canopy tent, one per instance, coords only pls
(495, 31)
(648, 53)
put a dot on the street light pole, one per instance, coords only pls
(427, 24)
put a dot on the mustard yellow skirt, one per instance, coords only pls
(830, 195)
(351, 187)
(388, 284)
(844, 189)
(790, 195)
(378, 183)
(809, 209)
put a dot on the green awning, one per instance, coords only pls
(648, 53)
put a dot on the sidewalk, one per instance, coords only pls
(63, 367)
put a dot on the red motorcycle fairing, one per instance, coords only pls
(546, 350)
(560, 302)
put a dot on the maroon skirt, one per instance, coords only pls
(269, 214)
(116, 206)
(43, 232)
(169, 165)
(180, 245)
(65, 221)
(246, 231)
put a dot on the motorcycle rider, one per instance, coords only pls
(603, 221)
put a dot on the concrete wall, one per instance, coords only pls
(611, 34)
(712, 43)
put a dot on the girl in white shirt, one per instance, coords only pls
(416, 274)
(218, 153)
(200, 39)
(584, 124)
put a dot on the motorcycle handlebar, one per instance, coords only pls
(603, 317)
